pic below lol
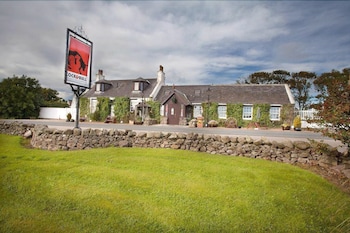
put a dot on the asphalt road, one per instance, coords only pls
(270, 134)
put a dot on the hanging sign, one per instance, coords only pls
(78, 60)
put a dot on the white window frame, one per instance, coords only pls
(275, 112)
(247, 112)
(222, 111)
(136, 86)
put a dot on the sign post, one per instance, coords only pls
(78, 66)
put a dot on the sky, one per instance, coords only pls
(197, 42)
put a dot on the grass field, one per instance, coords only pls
(160, 190)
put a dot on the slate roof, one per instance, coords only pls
(123, 88)
(179, 95)
(236, 93)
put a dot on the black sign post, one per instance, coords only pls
(78, 66)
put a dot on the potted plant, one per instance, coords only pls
(69, 117)
(138, 121)
(285, 126)
(297, 123)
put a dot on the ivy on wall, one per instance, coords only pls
(210, 111)
(287, 114)
(155, 110)
(84, 107)
(235, 111)
(261, 114)
(103, 109)
(121, 109)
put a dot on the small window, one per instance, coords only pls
(275, 112)
(197, 111)
(136, 86)
(247, 112)
(197, 92)
(222, 111)
(142, 86)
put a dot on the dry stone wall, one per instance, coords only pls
(312, 153)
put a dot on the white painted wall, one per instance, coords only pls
(56, 113)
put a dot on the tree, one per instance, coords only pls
(276, 77)
(280, 77)
(51, 99)
(20, 97)
(334, 111)
(300, 85)
(259, 78)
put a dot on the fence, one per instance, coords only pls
(309, 114)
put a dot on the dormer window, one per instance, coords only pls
(140, 84)
(102, 86)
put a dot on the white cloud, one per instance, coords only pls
(196, 42)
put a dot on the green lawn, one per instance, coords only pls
(160, 190)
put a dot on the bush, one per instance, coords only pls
(69, 117)
(297, 123)
(213, 123)
(231, 122)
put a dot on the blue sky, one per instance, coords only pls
(197, 42)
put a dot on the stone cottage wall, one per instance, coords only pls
(303, 152)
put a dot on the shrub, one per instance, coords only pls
(69, 117)
(297, 122)
(231, 122)
(213, 123)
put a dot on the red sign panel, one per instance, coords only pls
(78, 60)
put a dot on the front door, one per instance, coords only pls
(173, 113)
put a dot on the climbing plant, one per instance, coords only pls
(261, 114)
(210, 111)
(287, 113)
(155, 110)
(103, 109)
(235, 111)
(121, 109)
(84, 107)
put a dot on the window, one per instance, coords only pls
(139, 86)
(275, 113)
(197, 111)
(162, 110)
(98, 87)
(222, 111)
(247, 112)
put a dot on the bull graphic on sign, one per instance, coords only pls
(76, 62)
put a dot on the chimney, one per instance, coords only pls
(99, 75)
(161, 75)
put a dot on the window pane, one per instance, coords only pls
(275, 113)
(247, 112)
(197, 111)
(222, 112)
